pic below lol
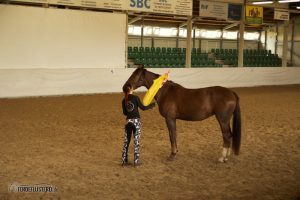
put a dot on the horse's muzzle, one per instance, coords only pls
(126, 87)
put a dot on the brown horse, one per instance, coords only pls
(177, 102)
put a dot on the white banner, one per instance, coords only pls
(107, 4)
(177, 7)
(174, 7)
(39, 82)
(281, 14)
(33, 1)
(213, 9)
(65, 2)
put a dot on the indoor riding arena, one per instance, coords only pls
(64, 65)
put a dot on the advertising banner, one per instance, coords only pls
(107, 4)
(66, 2)
(176, 7)
(33, 1)
(281, 14)
(254, 15)
(234, 12)
(213, 9)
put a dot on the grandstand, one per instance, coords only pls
(214, 42)
(175, 57)
(168, 57)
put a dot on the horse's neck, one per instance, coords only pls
(163, 91)
(149, 78)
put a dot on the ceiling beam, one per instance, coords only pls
(295, 11)
(135, 19)
(231, 25)
(182, 24)
(185, 23)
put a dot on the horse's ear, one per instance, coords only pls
(141, 66)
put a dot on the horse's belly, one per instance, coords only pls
(194, 115)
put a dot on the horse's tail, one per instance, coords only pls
(236, 127)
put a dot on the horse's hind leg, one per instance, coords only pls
(171, 124)
(227, 136)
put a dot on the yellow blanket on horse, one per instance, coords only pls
(157, 84)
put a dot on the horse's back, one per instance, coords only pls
(214, 93)
(198, 104)
(221, 93)
(223, 101)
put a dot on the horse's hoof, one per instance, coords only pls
(223, 160)
(172, 157)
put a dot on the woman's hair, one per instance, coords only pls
(126, 89)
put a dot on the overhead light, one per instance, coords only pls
(262, 2)
(288, 1)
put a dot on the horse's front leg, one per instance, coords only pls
(171, 124)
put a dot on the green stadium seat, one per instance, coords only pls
(137, 61)
(194, 50)
(130, 49)
(157, 50)
(141, 49)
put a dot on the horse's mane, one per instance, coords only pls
(158, 75)
(169, 83)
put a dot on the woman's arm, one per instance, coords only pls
(124, 108)
(141, 105)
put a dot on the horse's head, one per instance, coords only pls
(136, 80)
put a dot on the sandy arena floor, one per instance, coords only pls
(74, 143)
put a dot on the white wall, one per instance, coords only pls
(39, 82)
(271, 41)
(34, 37)
(165, 42)
(206, 45)
(230, 44)
(181, 43)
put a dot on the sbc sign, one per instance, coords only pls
(140, 4)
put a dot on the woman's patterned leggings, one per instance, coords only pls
(132, 125)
